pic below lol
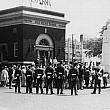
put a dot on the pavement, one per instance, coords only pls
(84, 101)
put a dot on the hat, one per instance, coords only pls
(33, 64)
(96, 68)
(74, 64)
(61, 62)
(14, 66)
(49, 63)
(23, 66)
(5, 66)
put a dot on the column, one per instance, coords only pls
(49, 54)
(38, 56)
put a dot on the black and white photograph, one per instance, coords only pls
(54, 54)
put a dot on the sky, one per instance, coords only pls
(86, 16)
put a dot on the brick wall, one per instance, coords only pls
(9, 35)
(30, 34)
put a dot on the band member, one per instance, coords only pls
(39, 79)
(29, 80)
(86, 77)
(17, 76)
(72, 76)
(49, 77)
(10, 75)
(60, 77)
(36, 61)
(81, 76)
(98, 76)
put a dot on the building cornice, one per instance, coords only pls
(31, 9)
(31, 18)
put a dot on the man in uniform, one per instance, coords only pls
(60, 77)
(49, 77)
(10, 75)
(98, 76)
(29, 80)
(86, 77)
(81, 76)
(17, 76)
(72, 76)
(39, 79)
(36, 61)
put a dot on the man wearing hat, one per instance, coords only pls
(37, 62)
(29, 80)
(17, 76)
(81, 76)
(60, 77)
(10, 75)
(72, 76)
(49, 77)
(39, 78)
(97, 81)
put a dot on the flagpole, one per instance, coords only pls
(22, 2)
(81, 41)
(31, 3)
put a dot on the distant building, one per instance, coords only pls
(76, 50)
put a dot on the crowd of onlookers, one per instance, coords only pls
(86, 76)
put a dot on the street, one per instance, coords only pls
(84, 101)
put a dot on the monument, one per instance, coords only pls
(106, 48)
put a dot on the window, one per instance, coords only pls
(16, 49)
(44, 42)
(3, 52)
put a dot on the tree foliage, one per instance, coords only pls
(95, 45)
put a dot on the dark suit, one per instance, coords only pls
(81, 77)
(10, 73)
(29, 80)
(97, 82)
(72, 76)
(39, 79)
(49, 79)
(17, 80)
(60, 78)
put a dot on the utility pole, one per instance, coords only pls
(68, 50)
(31, 3)
(72, 47)
(81, 41)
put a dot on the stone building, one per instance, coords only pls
(28, 33)
(72, 50)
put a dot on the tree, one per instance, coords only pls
(95, 45)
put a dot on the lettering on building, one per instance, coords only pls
(44, 23)
(42, 2)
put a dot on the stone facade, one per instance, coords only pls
(28, 33)
(106, 48)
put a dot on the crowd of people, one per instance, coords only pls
(74, 76)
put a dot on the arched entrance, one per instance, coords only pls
(44, 48)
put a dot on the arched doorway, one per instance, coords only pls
(44, 48)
